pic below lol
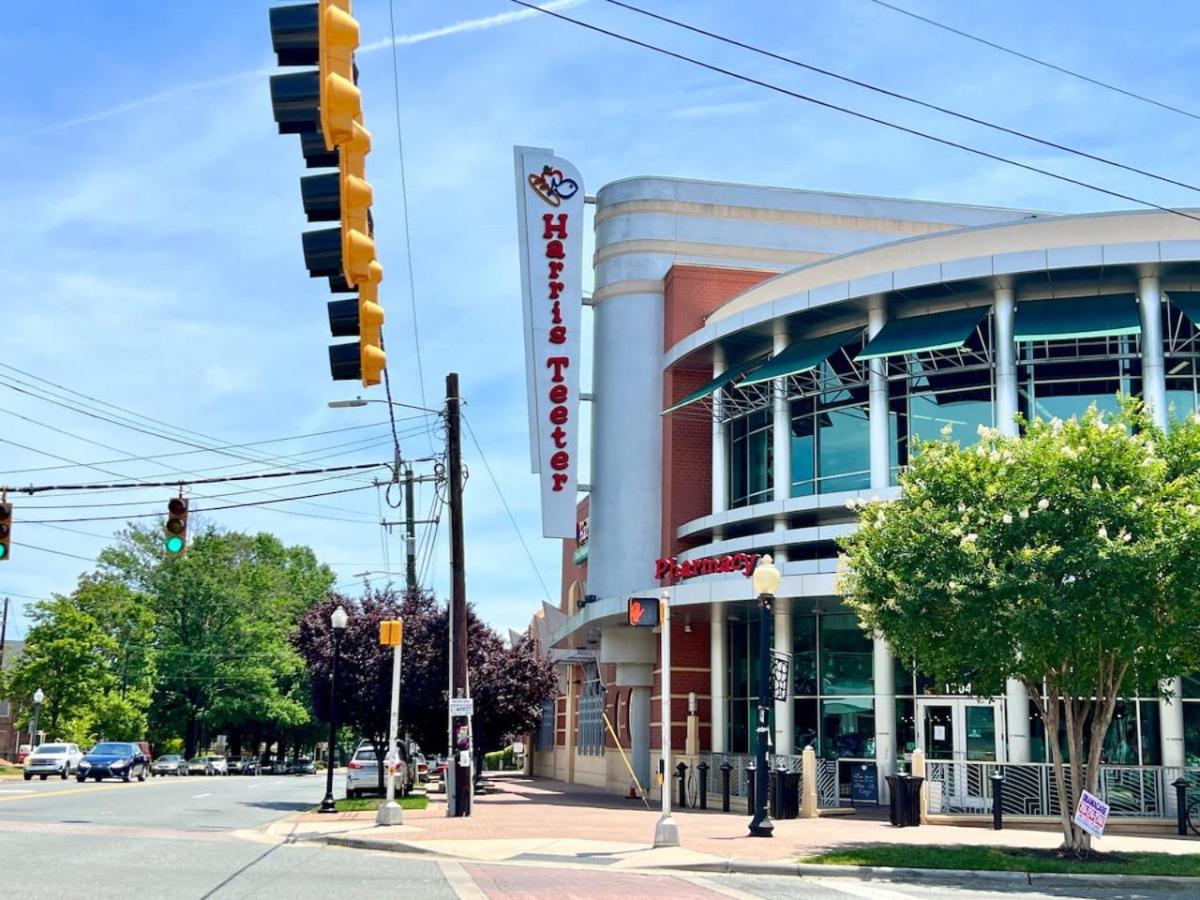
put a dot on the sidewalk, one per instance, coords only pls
(537, 820)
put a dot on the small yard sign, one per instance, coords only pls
(1091, 814)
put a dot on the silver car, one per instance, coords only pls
(53, 759)
(362, 774)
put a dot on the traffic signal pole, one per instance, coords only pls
(459, 686)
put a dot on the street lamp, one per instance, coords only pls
(766, 580)
(38, 697)
(362, 401)
(338, 621)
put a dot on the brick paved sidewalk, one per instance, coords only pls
(525, 818)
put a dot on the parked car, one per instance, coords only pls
(208, 764)
(243, 765)
(171, 764)
(302, 767)
(362, 774)
(53, 759)
(23, 751)
(114, 759)
(421, 768)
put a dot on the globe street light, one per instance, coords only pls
(766, 581)
(338, 622)
(38, 697)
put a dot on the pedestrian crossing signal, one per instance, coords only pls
(643, 612)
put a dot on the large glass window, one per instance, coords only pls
(1191, 733)
(751, 459)
(1061, 379)
(847, 656)
(804, 655)
(848, 727)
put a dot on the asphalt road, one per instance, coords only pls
(204, 837)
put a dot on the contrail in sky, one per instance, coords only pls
(419, 37)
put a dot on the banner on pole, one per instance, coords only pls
(781, 674)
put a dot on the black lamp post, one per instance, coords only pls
(338, 621)
(766, 580)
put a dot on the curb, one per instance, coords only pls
(860, 873)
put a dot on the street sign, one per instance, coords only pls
(1092, 814)
(462, 706)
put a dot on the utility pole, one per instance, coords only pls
(410, 532)
(3, 633)
(458, 603)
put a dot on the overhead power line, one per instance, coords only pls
(1107, 85)
(866, 85)
(946, 142)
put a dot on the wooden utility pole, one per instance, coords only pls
(459, 686)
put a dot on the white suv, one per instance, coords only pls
(53, 759)
(362, 774)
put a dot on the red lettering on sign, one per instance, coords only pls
(558, 363)
(556, 288)
(558, 393)
(556, 313)
(554, 250)
(671, 568)
(558, 415)
(558, 334)
(662, 568)
(554, 228)
(560, 438)
(559, 480)
(560, 460)
(555, 268)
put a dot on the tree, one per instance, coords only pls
(222, 615)
(1067, 559)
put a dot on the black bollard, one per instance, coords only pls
(751, 788)
(997, 801)
(726, 768)
(681, 773)
(702, 768)
(1181, 811)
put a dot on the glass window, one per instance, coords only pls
(847, 656)
(806, 724)
(1191, 687)
(848, 728)
(906, 730)
(739, 727)
(739, 661)
(804, 656)
(1191, 733)
(902, 673)
(1121, 740)
(843, 449)
(1151, 745)
(1038, 752)
(928, 414)
(751, 458)
(804, 455)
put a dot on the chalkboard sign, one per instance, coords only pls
(864, 783)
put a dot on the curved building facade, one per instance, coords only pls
(763, 356)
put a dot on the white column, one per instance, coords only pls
(718, 668)
(720, 464)
(885, 676)
(1003, 310)
(781, 431)
(878, 400)
(639, 735)
(785, 719)
(1154, 394)
(1016, 698)
(1154, 382)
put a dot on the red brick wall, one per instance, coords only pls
(689, 673)
(691, 294)
(570, 571)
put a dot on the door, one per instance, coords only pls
(961, 735)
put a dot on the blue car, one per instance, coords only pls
(114, 759)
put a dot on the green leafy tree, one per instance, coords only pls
(1068, 559)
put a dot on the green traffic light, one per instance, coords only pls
(3, 551)
(174, 544)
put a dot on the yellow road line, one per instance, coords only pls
(37, 795)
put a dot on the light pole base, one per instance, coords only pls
(328, 805)
(390, 814)
(763, 827)
(666, 832)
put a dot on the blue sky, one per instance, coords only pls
(150, 217)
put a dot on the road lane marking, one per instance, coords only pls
(857, 889)
(17, 791)
(98, 786)
(198, 796)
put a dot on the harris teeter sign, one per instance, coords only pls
(550, 232)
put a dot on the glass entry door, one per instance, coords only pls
(961, 730)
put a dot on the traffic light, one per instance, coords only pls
(175, 539)
(644, 612)
(6, 511)
(324, 107)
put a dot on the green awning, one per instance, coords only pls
(723, 380)
(802, 356)
(1188, 303)
(939, 331)
(1078, 317)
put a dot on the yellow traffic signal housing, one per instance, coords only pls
(175, 538)
(6, 514)
(355, 197)
(340, 100)
(391, 632)
(372, 359)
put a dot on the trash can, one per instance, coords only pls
(774, 782)
(896, 800)
(789, 795)
(912, 800)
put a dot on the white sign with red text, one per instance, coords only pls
(550, 231)
(1092, 814)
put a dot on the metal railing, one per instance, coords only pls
(965, 788)
(738, 777)
(828, 793)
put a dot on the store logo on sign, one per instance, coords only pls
(671, 568)
(552, 186)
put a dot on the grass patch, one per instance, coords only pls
(1005, 859)
(369, 804)
(11, 770)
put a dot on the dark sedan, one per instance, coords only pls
(114, 759)
(302, 767)
(244, 765)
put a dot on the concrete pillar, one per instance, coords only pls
(1003, 312)
(781, 431)
(918, 771)
(720, 465)
(885, 713)
(639, 735)
(877, 408)
(1016, 698)
(785, 718)
(1154, 394)
(718, 665)
(808, 783)
(1154, 381)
